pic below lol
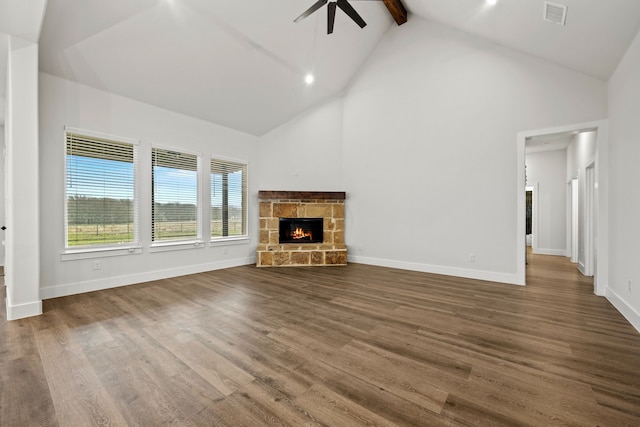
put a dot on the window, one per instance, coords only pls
(228, 199)
(174, 196)
(101, 207)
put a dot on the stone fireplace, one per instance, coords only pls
(301, 228)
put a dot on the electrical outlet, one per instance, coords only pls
(97, 265)
(224, 251)
(472, 257)
(629, 285)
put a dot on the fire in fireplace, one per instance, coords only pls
(301, 230)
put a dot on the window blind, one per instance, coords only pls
(228, 198)
(101, 207)
(175, 196)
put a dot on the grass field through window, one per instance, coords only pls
(113, 234)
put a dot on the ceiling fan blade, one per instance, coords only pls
(317, 5)
(346, 8)
(331, 17)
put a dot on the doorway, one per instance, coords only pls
(3, 169)
(599, 195)
(529, 228)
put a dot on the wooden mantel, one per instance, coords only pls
(301, 195)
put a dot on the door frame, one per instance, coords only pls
(601, 198)
(574, 219)
(589, 219)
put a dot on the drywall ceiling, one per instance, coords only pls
(593, 41)
(557, 141)
(242, 63)
(237, 63)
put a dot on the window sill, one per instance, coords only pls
(226, 241)
(175, 246)
(77, 254)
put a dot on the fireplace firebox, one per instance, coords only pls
(301, 230)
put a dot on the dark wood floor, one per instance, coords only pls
(340, 346)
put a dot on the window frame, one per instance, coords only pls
(106, 249)
(221, 240)
(189, 243)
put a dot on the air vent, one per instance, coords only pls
(556, 13)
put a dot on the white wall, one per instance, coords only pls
(624, 111)
(430, 133)
(67, 103)
(546, 172)
(22, 238)
(295, 159)
(429, 139)
(580, 154)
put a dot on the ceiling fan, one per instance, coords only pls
(331, 13)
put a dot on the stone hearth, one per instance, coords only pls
(301, 204)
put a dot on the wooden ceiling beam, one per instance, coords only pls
(397, 10)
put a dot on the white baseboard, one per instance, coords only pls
(625, 309)
(581, 268)
(20, 311)
(491, 276)
(554, 252)
(47, 292)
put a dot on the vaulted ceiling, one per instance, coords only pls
(242, 63)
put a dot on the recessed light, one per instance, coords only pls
(308, 79)
(492, 2)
